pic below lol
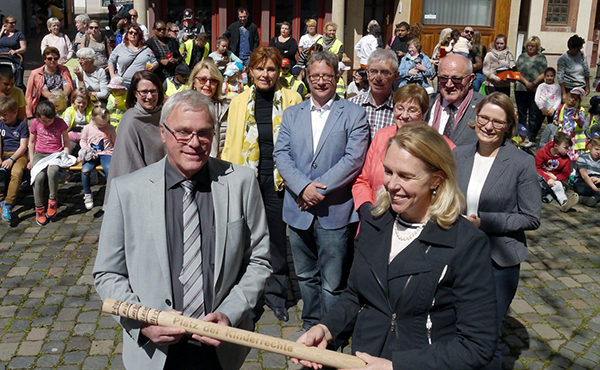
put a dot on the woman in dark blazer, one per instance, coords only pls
(503, 195)
(420, 293)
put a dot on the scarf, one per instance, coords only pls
(250, 148)
(328, 42)
(461, 110)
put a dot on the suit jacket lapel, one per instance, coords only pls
(305, 127)
(220, 195)
(378, 259)
(500, 165)
(334, 115)
(156, 190)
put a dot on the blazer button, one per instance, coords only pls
(314, 165)
(168, 302)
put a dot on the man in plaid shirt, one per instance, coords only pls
(382, 71)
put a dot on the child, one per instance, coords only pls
(13, 150)
(553, 166)
(294, 83)
(547, 98)
(99, 138)
(78, 115)
(572, 120)
(48, 135)
(59, 100)
(587, 183)
(222, 56)
(520, 139)
(7, 88)
(178, 82)
(232, 86)
(116, 100)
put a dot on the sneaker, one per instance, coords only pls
(588, 201)
(88, 201)
(571, 201)
(528, 144)
(52, 208)
(6, 211)
(40, 216)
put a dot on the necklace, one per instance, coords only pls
(411, 231)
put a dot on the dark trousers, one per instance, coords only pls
(526, 108)
(584, 189)
(506, 280)
(535, 128)
(191, 356)
(276, 288)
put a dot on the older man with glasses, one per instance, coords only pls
(453, 108)
(378, 102)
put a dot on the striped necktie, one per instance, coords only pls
(191, 275)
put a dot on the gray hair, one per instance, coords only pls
(52, 21)
(382, 55)
(83, 18)
(187, 100)
(86, 53)
(328, 57)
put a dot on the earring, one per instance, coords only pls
(434, 192)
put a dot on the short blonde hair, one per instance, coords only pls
(426, 144)
(332, 24)
(534, 40)
(311, 23)
(52, 21)
(214, 73)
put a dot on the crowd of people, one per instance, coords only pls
(217, 155)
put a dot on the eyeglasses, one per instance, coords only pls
(11, 22)
(383, 73)
(174, 31)
(132, 32)
(160, 29)
(134, 16)
(484, 120)
(184, 137)
(412, 111)
(324, 77)
(455, 80)
(203, 80)
(146, 92)
(51, 59)
(469, 32)
(93, 28)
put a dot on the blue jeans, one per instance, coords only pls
(88, 167)
(478, 81)
(506, 280)
(322, 259)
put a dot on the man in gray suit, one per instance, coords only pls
(188, 233)
(453, 108)
(319, 153)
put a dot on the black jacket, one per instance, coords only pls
(167, 71)
(233, 34)
(444, 277)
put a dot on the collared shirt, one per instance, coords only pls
(174, 213)
(318, 118)
(378, 117)
(444, 114)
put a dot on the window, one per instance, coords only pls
(558, 12)
(560, 15)
(458, 12)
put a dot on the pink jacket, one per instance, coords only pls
(35, 85)
(371, 178)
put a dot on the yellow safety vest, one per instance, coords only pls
(187, 47)
(172, 89)
(294, 84)
(116, 111)
(579, 139)
(71, 112)
(340, 89)
(335, 48)
(229, 92)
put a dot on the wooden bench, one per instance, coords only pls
(77, 167)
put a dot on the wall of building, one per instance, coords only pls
(354, 26)
(15, 8)
(555, 43)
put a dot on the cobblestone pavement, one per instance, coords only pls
(50, 314)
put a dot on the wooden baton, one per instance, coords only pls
(231, 335)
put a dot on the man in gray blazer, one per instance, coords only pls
(319, 153)
(453, 108)
(188, 233)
